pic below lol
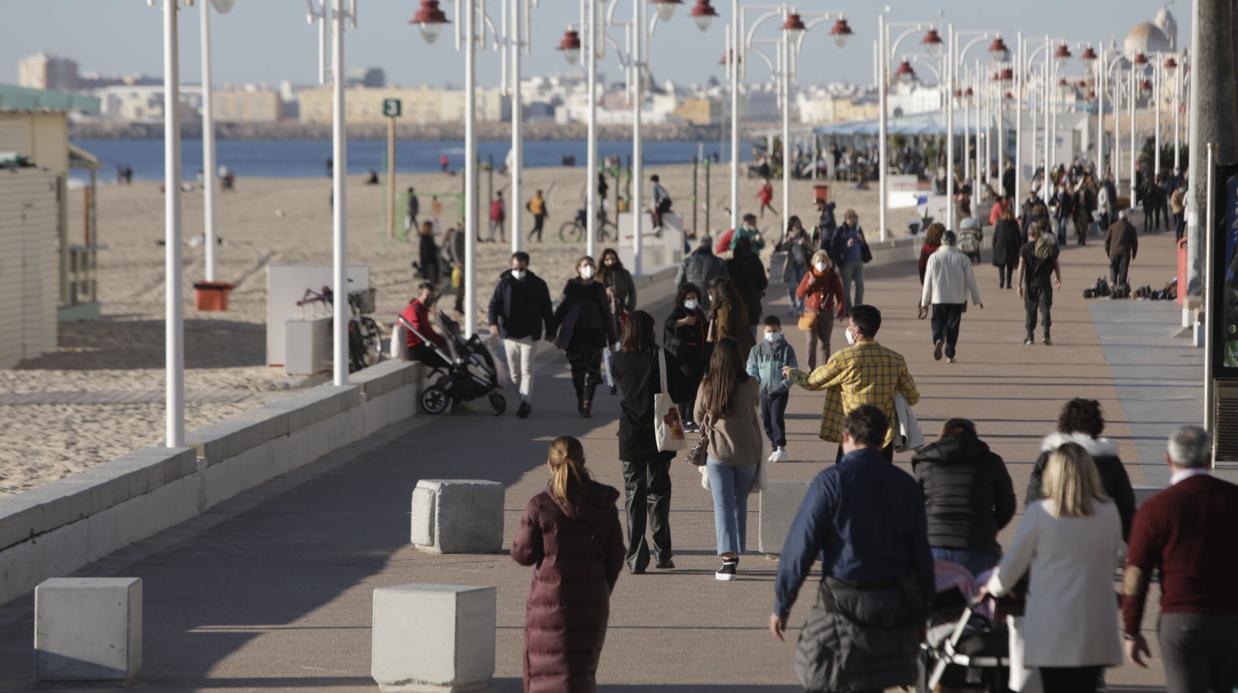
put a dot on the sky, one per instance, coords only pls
(266, 41)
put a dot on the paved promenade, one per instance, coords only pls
(272, 591)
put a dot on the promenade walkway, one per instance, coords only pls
(272, 591)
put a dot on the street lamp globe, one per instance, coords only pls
(841, 31)
(570, 46)
(666, 8)
(430, 19)
(1088, 55)
(794, 25)
(1171, 64)
(905, 74)
(1062, 54)
(999, 51)
(931, 41)
(703, 14)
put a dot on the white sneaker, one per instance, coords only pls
(770, 458)
(778, 455)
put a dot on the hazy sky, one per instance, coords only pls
(269, 40)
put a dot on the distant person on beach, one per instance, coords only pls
(436, 211)
(428, 254)
(537, 207)
(497, 214)
(661, 201)
(414, 206)
(372, 179)
(444, 163)
(765, 198)
(330, 168)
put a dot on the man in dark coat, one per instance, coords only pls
(864, 518)
(520, 310)
(748, 273)
(701, 268)
(1121, 245)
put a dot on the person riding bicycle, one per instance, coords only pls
(422, 334)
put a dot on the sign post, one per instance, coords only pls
(391, 109)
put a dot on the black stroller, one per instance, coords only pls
(966, 646)
(470, 375)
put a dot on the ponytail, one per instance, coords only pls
(567, 469)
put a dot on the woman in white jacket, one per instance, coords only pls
(1070, 540)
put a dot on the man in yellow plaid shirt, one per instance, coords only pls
(863, 373)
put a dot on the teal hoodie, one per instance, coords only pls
(766, 361)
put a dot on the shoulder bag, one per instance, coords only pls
(667, 421)
(699, 451)
(866, 253)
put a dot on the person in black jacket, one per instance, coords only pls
(968, 496)
(1007, 241)
(1082, 422)
(748, 273)
(646, 470)
(584, 326)
(684, 336)
(621, 291)
(519, 310)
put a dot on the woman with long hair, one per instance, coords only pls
(726, 409)
(684, 336)
(932, 241)
(621, 292)
(646, 470)
(728, 316)
(573, 522)
(584, 326)
(1007, 239)
(798, 247)
(1070, 542)
(821, 292)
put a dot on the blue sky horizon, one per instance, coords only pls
(266, 41)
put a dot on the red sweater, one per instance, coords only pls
(418, 316)
(1187, 531)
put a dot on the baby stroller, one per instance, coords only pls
(966, 645)
(470, 375)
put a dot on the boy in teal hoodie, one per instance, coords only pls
(765, 363)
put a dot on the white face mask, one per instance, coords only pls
(772, 337)
(689, 304)
(821, 266)
(849, 335)
(519, 273)
(586, 272)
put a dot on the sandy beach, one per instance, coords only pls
(100, 394)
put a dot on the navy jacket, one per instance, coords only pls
(864, 517)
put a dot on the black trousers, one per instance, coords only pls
(1037, 298)
(1118, 267)
(539, 221)
(1070, 679)
(1198, 651)
(947, 318)
(663, 207)
(1004, 274)
(773, 417)
(1179, 225)
(647, 500)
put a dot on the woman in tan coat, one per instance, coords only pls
(726, 409)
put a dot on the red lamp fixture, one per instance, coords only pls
(430, 19)
(1088, 54)
(703, 14)
(968, 93)
(570, 46)
(1171, 64)
(1146, 86)
(905, 73)
(999, 51)
(1141, 59)
(1091, 96)
(841, 31)
(1009, 96)
(794, 24)
(666, 8)
(1062, 54)
(931, 41)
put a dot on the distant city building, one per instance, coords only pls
(420, 105)
(1161, 34)
(246, 105)
(373, 77)
(700, 110)
(144, 104)
(43, 71)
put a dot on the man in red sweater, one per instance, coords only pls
(417, 314)
(1187, 532)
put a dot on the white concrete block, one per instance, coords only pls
(88, 629)
(780, 501)
(433, 638)
(457, 516)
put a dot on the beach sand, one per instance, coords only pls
(100, 394)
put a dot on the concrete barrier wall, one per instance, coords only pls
(57, 528)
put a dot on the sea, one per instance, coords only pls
(308, 158)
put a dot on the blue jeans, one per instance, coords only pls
(853, 273)
(975, 561)
(730, 486)
(797, 273)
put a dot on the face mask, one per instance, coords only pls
(689, 304)
(519, 274)
(772, 337)
(586, 272)
(821, 266)
(850, 337)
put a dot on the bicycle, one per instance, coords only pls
(365, 342)
(574, 231)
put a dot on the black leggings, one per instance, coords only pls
(1004, 274)
(586, 372)
(1070, 679)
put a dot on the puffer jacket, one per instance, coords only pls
(699, 269)
(1113, 476)
(968, 494)
(577, 555)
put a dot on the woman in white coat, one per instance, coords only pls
(1070, 540)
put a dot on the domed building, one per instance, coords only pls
(1161, 34)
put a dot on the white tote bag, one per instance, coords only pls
(667, 421)
(1022, 678)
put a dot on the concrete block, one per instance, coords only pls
(229, 438)
(316, 404)
(383, 377)
(88, 629)
(20, 515)
(433, 638)
(457, 516)
(780, 501)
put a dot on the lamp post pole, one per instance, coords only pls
(208, 148)
(1133, 108)
(952, 52)
(1156, 104)
(515, 36)
(638, 97)
(882, 88)
(785, 86)
(174, 326)
(1100, 110)
(733, 63)
(1019, 80)
(339, 236)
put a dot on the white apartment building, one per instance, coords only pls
(144, 104)
(43, 71)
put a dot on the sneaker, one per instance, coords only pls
(586, 410)
(665, 564)
(614, 390)
(1029, 340)
(690, 427)
(778, 455)
(523, 410)
(937, 347)
(1048, 342)
(726, 572)
(949, 359)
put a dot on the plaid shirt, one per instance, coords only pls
(866, 373)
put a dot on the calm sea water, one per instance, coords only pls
(307, 158)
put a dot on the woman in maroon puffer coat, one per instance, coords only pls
(570, 532)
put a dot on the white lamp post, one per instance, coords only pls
(208, 138)
(174, 326)
(1138, 69)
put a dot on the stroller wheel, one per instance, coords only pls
(498, 404)
(434, 400)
